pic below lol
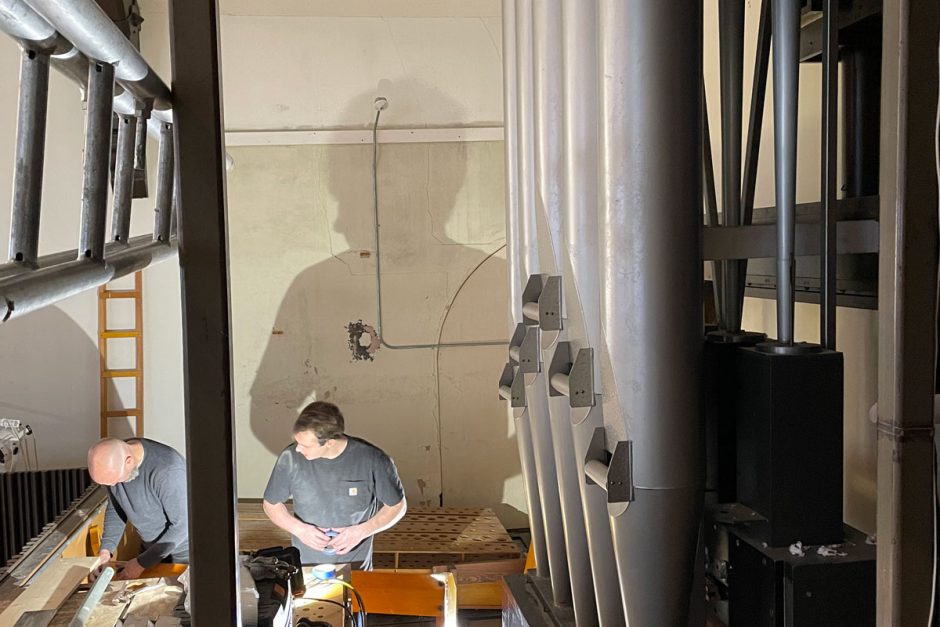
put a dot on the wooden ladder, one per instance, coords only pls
(106, 333)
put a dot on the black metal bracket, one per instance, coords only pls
(618, 482)
(550, 305)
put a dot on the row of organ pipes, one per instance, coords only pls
(636, 420)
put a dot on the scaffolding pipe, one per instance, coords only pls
(165, 177)
(30, 290)
(20, 22)
(123, 178)
(731, 38)
(90, 29)
(582, 293)
(536, 413)
(30, 151)
(651, 273)
(97, 161)
(46, 261)
(786, 37)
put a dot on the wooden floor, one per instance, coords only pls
(426, 537)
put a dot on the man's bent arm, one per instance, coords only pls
(113, 528)
(387, 517)
(281, 517)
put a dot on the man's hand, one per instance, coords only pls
(349, 538)
(131, 570)
(104, 556)
(313, 537)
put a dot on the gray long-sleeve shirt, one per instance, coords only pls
(155, 503)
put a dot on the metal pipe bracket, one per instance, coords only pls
(618, 478)
(550, 305)
(531, 294)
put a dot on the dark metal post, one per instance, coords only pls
(210, 434)
(861, 97)
(827, 243)
(731, 35)
(30, 150)
(97, 160)
(165, 176)
(123, 178)
(907, 283)
(754, 127)
(711, 205)
(786, 29)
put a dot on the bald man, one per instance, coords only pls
(146, 483)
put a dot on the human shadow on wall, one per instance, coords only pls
(49, 380)
(308, 354)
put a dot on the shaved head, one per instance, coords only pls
(111, 461)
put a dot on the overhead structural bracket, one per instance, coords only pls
(613, 473)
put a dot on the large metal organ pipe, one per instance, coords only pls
(651, 275)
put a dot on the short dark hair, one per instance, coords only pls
(324, 419)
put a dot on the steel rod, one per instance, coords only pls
(514, 353)
(560, 384)
(505, 392)
(30, 151)
(165, 177)
(786, 37)
(828, 230)
(711, 207)
(531, 311)
(97, 161)
(731, 50)
(123, 178)
(754, 128)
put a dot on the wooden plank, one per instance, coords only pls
(50, 588)
(407, 594)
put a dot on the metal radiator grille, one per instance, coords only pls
(31, 500)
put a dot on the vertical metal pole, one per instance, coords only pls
(537, 396)
(30, 151)
(210, 433)
(580, 206)
(123, 178)
(786, 29)
(515, 270)
(165, 176)
(907, 284)
(731, 35)
(861, 64)
(652, 293)
(754, 128)
(827, 244)
(97, 161)
(711, 206)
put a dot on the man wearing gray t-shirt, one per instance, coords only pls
(344, 490)
(146, 484)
